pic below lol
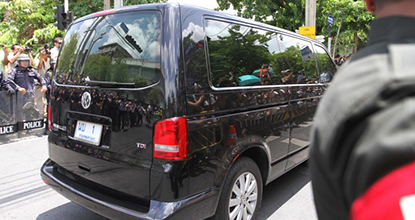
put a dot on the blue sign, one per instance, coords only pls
(330, 20)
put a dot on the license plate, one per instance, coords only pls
(88, 132)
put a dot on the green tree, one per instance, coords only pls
(28, 22)
(353, 19)
(81, 8)
(240, 52)
(67, 59)
(31, 22)
(290, 15)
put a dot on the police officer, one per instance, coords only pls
(22, 79)
(3, 84)
(4, 99)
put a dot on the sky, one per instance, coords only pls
(210, 4)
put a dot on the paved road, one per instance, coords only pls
(23, 195)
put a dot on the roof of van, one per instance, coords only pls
(164, 6)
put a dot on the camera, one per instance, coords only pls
(27, 49)
(47, 49)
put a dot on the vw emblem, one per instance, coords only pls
(86, 100)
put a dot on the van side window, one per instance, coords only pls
(240, 55)
(327, 67)
(297, 56)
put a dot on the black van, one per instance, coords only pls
(167, 111)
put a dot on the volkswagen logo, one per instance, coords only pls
(86, 100)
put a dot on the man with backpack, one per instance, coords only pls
(362, 157)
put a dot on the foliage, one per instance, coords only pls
(281, 13)
(245, 51)
(105, 68)
(81, 8)
(355, 20)
(28, 22)
(67, 57)
(98, 67)
(290, 15)
(31, 22)
(237, 52)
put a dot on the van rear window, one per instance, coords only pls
(118, 50)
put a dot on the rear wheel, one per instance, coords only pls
(242, 193)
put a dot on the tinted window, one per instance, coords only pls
(118, 48)
(327, 67)
(240, 55)
(297, 56)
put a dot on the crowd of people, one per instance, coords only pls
(8, 57)
(21, 73)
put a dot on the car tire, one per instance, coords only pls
(230, 203)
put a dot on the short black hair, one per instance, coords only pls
(14, 45)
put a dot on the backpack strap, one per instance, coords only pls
(402, 60)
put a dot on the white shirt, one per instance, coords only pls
(54, 52)
(11, 65)
(2, 66)
(45, 67)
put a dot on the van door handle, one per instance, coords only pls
(84, 168)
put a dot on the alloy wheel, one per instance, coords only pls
(244, 197)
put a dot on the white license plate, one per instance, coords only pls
(88, 132)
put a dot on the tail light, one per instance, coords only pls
(170, 139)
(50, 127)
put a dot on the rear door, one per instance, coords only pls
(106, 89)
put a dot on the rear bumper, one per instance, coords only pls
(198, 206)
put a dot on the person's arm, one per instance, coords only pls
(32, 61)
(41, 80)
(40, 64)
(10, 80)
(5, 59)
(235, 78)
(286, 78)
(14, 58)
(5, 85)
(2, 81)
(197, 103)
